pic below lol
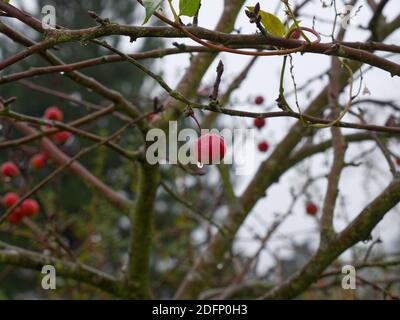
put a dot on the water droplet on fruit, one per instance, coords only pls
(62, 73)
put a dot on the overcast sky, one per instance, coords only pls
(359, 185)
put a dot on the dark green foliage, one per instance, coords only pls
(79, 215)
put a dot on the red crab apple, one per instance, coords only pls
(259, 123)
(29, 207)
(9, 169)
(259, 100)
(53, 113)
(210, 148)
(263, 146)
(10, 199)
(16, 216)
(311, 208)
(38, 161)
(61, 136)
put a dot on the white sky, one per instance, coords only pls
(263, 79)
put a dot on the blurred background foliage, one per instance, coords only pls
(96, 231)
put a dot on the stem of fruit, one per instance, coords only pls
(195, 120)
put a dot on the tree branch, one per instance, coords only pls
(142, 219)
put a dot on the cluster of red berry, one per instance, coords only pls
(38, 161)
(28, 207)
(259, 123)
(54, 113)
(9, 169)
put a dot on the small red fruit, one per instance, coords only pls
(29, 207)
(10, 199)
(259, 100)
(9, 169)
(61, 136)
(53, 113)
(263, 146)
(311, 208)
(398, 161)
(295, 34)
(259, 123)
(16, 216)
(38, 161)
(209, 148)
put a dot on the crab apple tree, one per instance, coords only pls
(106, 172)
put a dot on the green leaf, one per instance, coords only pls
(151, 6)
(6, 1)
(271, 23)
(188, 7)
